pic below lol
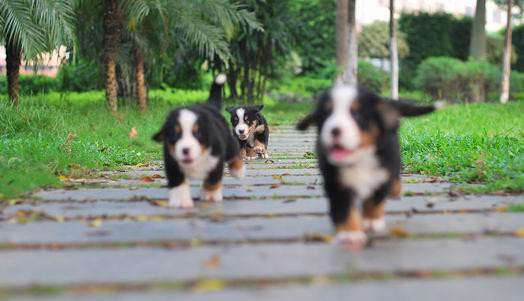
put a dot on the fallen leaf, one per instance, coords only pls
(95, 223)
(62, 178)
(209, 285)
(274, 186)
(278, 177)
(133, 133)
(213, 262)
(519, 232)
(319, 237)
(147, 179)
(399, 232)
(159, 203)
(267, 215)
(157, 176)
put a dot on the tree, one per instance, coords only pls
(393, 50)
(346, 43)
(477, 48)
(506, 64)
(112, 30)
(30, 27)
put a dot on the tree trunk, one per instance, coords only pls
(393, 50)
(112, 28)
(141, 90)
(352, 65)
(506, 62)
(232, 77)
(13, 62)
(477, 47)
(342, 34)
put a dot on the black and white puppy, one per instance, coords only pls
(251, 129)
(196, 143)
(359, 156)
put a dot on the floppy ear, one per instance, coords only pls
(309, 120)
(159, 137)
(259, 107)
(389, 114)
(231, 110)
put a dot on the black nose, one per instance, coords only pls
(241, 131)
(335, 132)
(185, 151)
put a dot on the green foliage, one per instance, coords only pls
(80, 76)
(32, 84)
(453, 79)
(372, 77)
(373, 41)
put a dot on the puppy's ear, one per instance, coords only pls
(159, 137)
(259, 107)
(231, 110)
(389, 114)
(309, 120)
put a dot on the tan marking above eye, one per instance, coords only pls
(354, 106)
(178, 129)
(195, 128)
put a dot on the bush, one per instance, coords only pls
(32, 84)
(372, 77)
(518, 43)
(452, 79)
(79, 77)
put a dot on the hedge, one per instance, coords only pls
(32, 84)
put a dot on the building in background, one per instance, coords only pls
(48, 64)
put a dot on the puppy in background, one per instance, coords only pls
(252, 131)
(359, 156)
(196, 143)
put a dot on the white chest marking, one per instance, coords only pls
(365, 175)
(202, 167)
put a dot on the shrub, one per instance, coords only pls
(80, 76)
(449, 78)
(518, 43)
(32, 84)
(372, 77)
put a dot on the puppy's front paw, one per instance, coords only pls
(211, 195)
(264, 156)
(259, 149)
(375, 225)
(354, 240)
(180, 196)
(249, 158)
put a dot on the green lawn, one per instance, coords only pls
(70, 135)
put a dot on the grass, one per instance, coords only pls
(55, 135)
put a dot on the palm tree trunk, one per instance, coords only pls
(393, 50)
(506, 62)
(352, 65)
(13, 62)
(477, 47)
(342, 34)
(141, 90)
(112, 28)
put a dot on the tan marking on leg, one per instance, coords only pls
(353, 222)
(242, 153)
(212, 187)
(372, 210)
(236, 167)
(396, 188)
(250, 153)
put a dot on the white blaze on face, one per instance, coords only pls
(341, 121)
(241, 129)
(187, 148)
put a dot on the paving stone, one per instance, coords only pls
(316, 206)
(479, 289)
(259, 229)
(39, 267)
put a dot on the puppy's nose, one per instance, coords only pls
(185, 151)
(335, 132)
(241, 132)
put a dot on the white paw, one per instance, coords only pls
(239, 173)
(250, 158)
(265, 156)
(211, 196)
(353, 239)
(375, 225)
(259, 150)
(180, 197)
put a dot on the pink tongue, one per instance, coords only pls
(339, 153)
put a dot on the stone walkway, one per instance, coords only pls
(112, 238)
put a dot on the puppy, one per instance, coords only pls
(359, 156)
(251, 130)
(196, 144)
